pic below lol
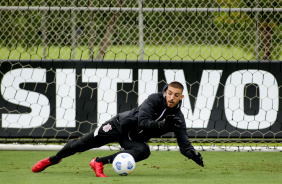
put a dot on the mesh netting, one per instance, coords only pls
(86, 31)
(149, 30)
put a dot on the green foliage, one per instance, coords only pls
(22, 28)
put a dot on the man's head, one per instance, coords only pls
(173, 94)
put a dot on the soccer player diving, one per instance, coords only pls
(159, 114)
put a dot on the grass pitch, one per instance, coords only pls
(127, 52)
(160, 167)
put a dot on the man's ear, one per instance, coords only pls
(182, 96)
(164, 93)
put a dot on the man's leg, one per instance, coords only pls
(139, 151)
(85, 143)
(102, 135)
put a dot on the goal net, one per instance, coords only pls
(68, 66)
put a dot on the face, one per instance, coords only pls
(173, 96)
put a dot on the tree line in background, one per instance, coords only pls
(248, 30)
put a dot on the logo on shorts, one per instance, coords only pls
(107, 127)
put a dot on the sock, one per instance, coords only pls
(107, 159)
(54, 159)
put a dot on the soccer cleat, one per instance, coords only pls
(97, 167)
(42, 164)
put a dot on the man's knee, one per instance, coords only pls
(143, 152)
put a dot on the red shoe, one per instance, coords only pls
(97, 167)
(42, 164)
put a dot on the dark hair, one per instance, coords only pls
(176, 84)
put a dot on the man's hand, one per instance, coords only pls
(196, 157)
(171, 122)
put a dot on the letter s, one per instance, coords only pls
(38, 103)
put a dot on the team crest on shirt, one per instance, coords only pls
(107, 127)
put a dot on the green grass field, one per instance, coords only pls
(126, 52)
(160, 167)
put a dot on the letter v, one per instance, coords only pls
(204, 100)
